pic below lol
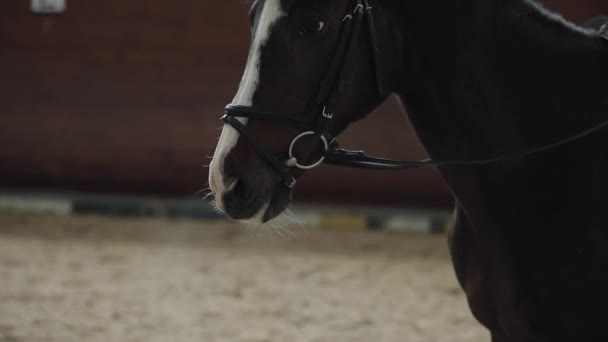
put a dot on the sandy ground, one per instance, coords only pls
(98, 279)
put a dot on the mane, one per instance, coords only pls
(557, 18)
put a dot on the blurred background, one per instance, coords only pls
(125, 97)
(112, 107)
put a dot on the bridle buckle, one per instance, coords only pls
(327, 115)
(290, 183)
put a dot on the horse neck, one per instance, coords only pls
(491, 78)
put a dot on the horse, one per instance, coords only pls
(510, 101)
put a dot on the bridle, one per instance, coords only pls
(323, 104)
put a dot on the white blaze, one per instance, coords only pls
(271, 12)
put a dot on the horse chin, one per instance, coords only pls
(277, 204)
(266, 215)
(257, 219)
(272, 212)
(262, 210)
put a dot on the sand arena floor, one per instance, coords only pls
(99, 279)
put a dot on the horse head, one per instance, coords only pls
(313, 68)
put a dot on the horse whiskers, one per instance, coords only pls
(216, 208)
(281, 223)
(291, 217)
(204, 190)
(260, 231)
(279, 228)
(278, 231)
(209, 195)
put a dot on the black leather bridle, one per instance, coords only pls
(316, 120)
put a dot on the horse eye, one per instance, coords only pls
(312, 26)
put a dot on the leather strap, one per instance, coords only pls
(277, 164)
(375, 47)
(252, 113)
(355, 23)
(358, 159)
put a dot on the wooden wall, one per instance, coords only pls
(125, 96)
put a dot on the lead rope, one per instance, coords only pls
(333, 71)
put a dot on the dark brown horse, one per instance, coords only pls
(480, 79)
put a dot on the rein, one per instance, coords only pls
(358, 159)
(324, 102)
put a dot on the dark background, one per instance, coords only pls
(125, 97)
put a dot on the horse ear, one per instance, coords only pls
(598, 23)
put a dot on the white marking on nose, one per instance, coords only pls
(271, 13)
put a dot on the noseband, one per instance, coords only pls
(323, 104)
